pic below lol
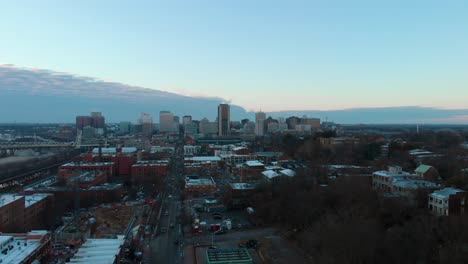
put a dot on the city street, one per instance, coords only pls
(166, 245)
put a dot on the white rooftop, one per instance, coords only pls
(270, 174)
(200, 181)
(8, 198)
(288, 172)
(99, 251)
(254, 163)
(390, 174)
(414, 184)
(445, 193)
(18, 253)
(34, 198)
(242, 185)
(206, 158)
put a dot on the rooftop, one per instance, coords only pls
(270, 174)
(84, 177)
(423, 168)
(288, 172)
(74, 164)
(242, 186)
(446, 192)
(22, 251)
(99, 251)
(34, 198)
(205, 158)
(9, 198)
(254, 163)
(391, 174)
(414, 184)
(200, 181)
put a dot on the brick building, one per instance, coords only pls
(66, 170)
(152, 168)
(19, 213)
(11, 213)
(199, 186)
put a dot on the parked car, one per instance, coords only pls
(163, 230)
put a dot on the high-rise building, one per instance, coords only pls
(166, 121)
(186, 119)
(224, 119)
(82, 121)
(260, 123)
(208, 128)
(177, 120)
(95, 121)
(99, 122)
(313, 122)
(191, 129)
(125, 127)
(146, 122)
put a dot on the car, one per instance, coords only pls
(219, 232)
(171, 225)
(166, 213)
(163, 230)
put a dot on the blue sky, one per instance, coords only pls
(268, 55)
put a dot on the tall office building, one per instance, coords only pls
(125, 127)
(166, 121)
(95, 122)
(146, 122)
(99, 122)
(224, 120)
(260, 123)
(187, 119)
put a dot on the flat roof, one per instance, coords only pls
(9, 198)
(200, 181)
(270, 174)
(228, 255)
(205, 158)
(389, 174)
(242, 186)
(74, 164)
(288, 172)
(414, 184)
(86, 176)
(19, 253)
(99, 251)
(34, 198)
(446, 192)
(254, 163)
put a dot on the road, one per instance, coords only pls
(163, 247)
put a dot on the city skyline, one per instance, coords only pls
(334, 57)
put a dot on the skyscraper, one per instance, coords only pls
(224, 119)
(260, 123)
(166, 121)
(187, 119)
(146, 122)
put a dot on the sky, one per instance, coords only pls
(261, 55)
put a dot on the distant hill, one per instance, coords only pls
(386, 115)
(42, 96)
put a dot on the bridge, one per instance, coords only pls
(9, 148)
